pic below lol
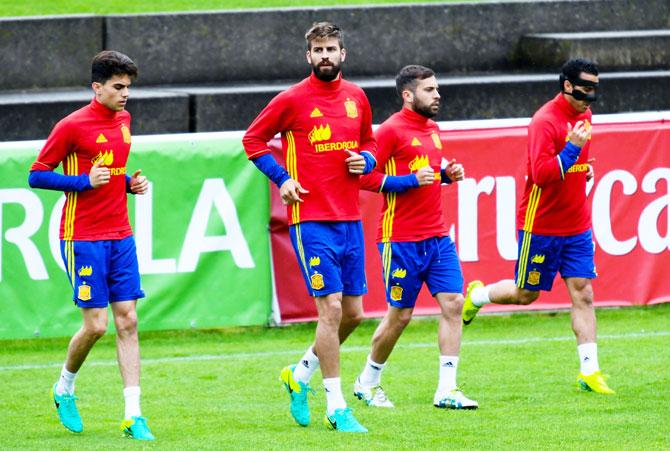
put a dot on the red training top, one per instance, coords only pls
(318, 121)
(407, 142)
(554, 199)
(91, 133)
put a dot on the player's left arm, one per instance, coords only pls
(137, 184)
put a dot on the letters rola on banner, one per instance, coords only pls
(201, 234)
(630, 204)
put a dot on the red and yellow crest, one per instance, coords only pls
(84, 292)
(126, 133)
(534, 278)
(317, 281)
(350, 106)
(396, 292)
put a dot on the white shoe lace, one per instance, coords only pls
(456, 396)
(379, 398)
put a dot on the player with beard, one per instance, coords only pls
(326, 132)
(413, 238)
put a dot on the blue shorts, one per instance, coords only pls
(102, 271)
(542, 256)
(407, 265)
(331, 256)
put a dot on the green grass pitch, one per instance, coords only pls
(220, 389)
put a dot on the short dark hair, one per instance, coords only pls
(108, 63)
(572, 68)
(321, 30)
(409, 76)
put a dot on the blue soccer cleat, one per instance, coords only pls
(343, 420)
(298, 392)
(136, 428)
(67, 411)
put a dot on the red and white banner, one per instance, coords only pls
(631, 215)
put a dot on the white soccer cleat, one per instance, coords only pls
(372, 396)
(455, 399)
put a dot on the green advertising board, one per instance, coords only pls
(201, 232)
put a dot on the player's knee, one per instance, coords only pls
(455, 302)
(354, 318)
(526, 297)
(403, 318)
(330, 313)
(126, 322)
(95, 329)
(451, 305)
(584, 298)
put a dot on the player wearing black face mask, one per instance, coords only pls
(582, 85)
(554, 219)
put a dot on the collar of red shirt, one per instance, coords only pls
(325, 85)
(101, 110)
(413, 116)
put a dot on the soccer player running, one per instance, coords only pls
(413, 238)
(326, 132)
(554, 219)
(97, 243)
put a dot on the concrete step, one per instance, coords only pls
(28, 115)
(197, 108)
(223, 46)
(612, 50)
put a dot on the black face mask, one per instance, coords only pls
(579, 95)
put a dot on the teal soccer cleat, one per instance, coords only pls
(343, 420)
(136, 428)
(67, 411)
(298, 392)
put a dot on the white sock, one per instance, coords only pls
(480, 295)
(334, 398)
(588, 358)
(448, 367)
(306, 367)
(132, 397)
(372, 373)
(65, 382)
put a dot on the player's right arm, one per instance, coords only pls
(57, 147)
(273, 119)
(546, 166)
(382, 179)
(55, 150)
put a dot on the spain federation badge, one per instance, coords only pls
(317, 281)
(350, 106)
(396, 292)
(534, 278)
(84, 292)
(125, 131)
